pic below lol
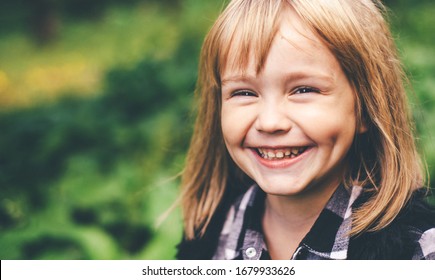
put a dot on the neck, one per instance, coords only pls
(287, 219)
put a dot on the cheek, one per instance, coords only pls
(338, 133)
(329, 125)
(232, 126)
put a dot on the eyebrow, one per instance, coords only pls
(287, 77)
(238, 78)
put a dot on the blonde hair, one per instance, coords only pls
(384, 160)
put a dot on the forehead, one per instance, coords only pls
(290, 30)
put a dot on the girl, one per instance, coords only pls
(303, 145)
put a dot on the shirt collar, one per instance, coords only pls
(328, 238)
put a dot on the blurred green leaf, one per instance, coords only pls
(87, 171)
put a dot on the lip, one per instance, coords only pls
(282, 163)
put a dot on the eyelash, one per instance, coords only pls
(305, 90)
(299, 90)
(243, 93)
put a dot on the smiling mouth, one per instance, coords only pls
(281, 153)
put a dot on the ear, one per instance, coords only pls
(362, 127)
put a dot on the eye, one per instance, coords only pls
(304, 89)
(243, 93)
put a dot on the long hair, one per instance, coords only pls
(384, 160)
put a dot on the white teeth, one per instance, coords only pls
(295, 151)
(280, 153)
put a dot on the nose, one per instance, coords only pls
(273, 118)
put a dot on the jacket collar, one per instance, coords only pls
(329, 236)
(327, 239)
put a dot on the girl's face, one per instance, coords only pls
(290, 127)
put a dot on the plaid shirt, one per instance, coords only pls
(242, 238)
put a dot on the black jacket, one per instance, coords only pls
(396, 241)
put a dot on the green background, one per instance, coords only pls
(95, 119)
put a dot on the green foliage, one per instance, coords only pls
(92, 167)
(412, 25)
(87, 178)
(41, 18)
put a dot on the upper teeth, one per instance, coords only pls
(280, 153)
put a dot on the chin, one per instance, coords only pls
(278, 188)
